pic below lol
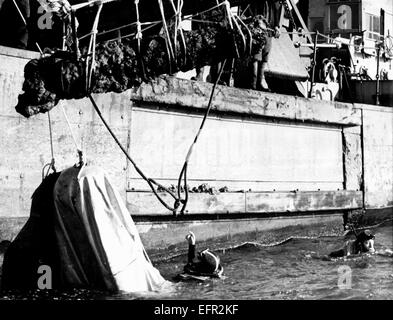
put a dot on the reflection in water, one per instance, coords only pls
(297, 269)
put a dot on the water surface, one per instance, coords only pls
(294, 270)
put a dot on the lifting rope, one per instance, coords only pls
(178, 27)
(138, 37)
(78, 149)
(90, 58)
(170, 52)
(50, 165)
(183, 172)
(25, 23)
(151, 182)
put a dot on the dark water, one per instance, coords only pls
(294, 270)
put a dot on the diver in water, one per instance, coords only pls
(205, 263)
(363, 243)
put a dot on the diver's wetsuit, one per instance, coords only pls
(196, 265)
(350, 247)
(354, 246)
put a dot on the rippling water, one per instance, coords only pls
(294, 270)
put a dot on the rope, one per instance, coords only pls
(107, 31)
(78, 149)
(134, 33)
(153, 24)
(249, 34)
(180, 9)
(64, 38)
(178, 21)
(233, 20)
(25, 23)
(151, 182)
(90, 59)
(276, 243)
(50, 136)
(232, 23)
(50, 165)
(139, 36)
(201, 21)
(176, 24)
(121, 27)
(168, 41)
(89, 3)
(207, 10)
(185, 166)
(20, 12)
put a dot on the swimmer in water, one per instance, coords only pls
(363, 243)
(205, 263)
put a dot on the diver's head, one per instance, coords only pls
(366, 241)
(210, 260)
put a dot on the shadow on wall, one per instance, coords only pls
(3, 247)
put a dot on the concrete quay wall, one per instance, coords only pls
(277, 155)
